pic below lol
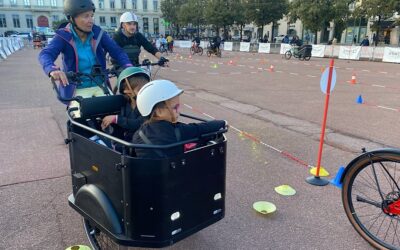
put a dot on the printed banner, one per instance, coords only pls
(182, 44)
(244, 47)
(228, 46)
(285, 47)
(318, 50)
(2, 52)
(5, 46)
(391, 55)
(264, 48)
(350, 52)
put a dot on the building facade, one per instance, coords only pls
(25, 15)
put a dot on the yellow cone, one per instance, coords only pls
(215, 66)
(322, 172)
(285, 190)
(78, 247)
(264, 207)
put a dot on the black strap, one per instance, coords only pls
(177, 134)
(147, 141)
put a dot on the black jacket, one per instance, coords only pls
(164, 133)
(130, 119)
(131, 45)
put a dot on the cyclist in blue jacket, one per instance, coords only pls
(82, 45)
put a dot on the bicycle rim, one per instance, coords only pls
(99, 240)
(372, 177)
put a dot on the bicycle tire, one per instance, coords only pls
(99, 240)
(191, 50)
(288, 55)
(219, 53)
(208, 53)
(371, 167)
(307, 58)
(200, 51)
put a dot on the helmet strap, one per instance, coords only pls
(132, 95)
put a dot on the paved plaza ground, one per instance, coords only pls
(282, 108)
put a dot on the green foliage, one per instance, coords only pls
(266, 11)
(192, 11)
(169, 9)
(316, 14)
(55, 24)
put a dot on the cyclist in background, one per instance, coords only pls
(131, 40)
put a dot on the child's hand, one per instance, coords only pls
(59, 75)
(108, 120)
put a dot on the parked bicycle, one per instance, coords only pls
(196, 49)
(371, 196)
(163, 49)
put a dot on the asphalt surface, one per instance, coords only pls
(276, 111)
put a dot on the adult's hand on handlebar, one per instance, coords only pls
(60, 76)
(163, 62)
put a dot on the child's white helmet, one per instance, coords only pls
(154, 92)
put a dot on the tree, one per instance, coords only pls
(169, 9)
(219, 13)
(56, 24)
(377, 10)
(192, 12)
(263, 12)
(240, 14)
(316, 14)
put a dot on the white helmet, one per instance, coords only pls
(128, 17)
(154, 92)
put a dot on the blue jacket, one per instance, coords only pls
(64, 44)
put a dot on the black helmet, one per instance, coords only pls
(72, 8)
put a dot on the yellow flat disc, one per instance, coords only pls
(285, 190)
(78, 247)
(322, 172)
(264, 207)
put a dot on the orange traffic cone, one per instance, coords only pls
(353, 79)
(190, 56)
(230, 62)
(271, 68)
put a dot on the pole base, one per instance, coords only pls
(317, 181)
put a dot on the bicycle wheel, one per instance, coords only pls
(307, 58)
(288, 55)
(219, 54)
(200, 51)
(208, 53)
(99, 240)
(191, 50)
(371, 197)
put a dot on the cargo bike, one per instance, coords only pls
(128, 201)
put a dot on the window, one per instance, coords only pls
(112, 4)
(1, 2)
(53, 3)
(55, 18)
(16, 21)
(3, 23)
(123, 4)
(27, 2)
(144, 5)
(134, 4)
(101, 4)
(145, 25)
(40, 2)
(13, 2)
(103, 21)
(155, 5)
(29, 21)
(156, 26)
(113, 20)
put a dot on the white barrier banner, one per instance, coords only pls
(2, 52)
(391, 55)
(5, 46)
(10, 45)
(244, 47)
(185, 44)
(15, 44)
(203, 44)
(318, 50)
(350, 52)
(284, 48)
(264, 48)
(228, 46)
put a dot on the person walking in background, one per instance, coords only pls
(365, 41)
